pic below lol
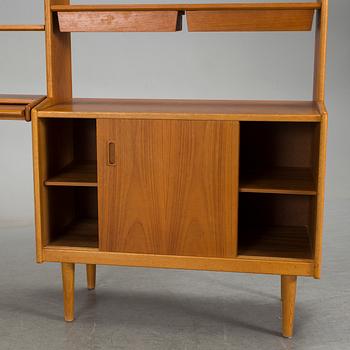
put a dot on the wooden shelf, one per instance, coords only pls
(81, 233)
(187, 7)
(279, 180)
(83, 174)
(18, 107)
(22, 28)
(185, 109)
(275, 241)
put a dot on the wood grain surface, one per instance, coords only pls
(122, 21)
(249, 20)
(173, 189)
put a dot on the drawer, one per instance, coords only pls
(250, 20)
(119, 21)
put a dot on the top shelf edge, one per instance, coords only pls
(22, 28)
(188, 7)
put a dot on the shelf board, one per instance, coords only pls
(76, 174)
(189, 7)
(12, 112)
(18, 107)
(82, 233)
(22, 28)
(276, 241)
(185, 109)
(297, 181)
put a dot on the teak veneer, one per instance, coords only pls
(235, 186)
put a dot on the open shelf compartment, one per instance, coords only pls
(70, 152)
(279, 157)
(73, 217)
(278, 226)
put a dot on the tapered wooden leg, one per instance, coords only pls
(91, 276)
(288, 289)
(68, 290)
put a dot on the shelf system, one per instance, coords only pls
(281, 146)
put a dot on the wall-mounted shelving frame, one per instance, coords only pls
(98, 170)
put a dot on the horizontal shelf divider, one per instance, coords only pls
(300, 111)
(22, 28)
(191, 7)
(76, 175)
(297, 181)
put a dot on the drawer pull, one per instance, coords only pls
(111, 154)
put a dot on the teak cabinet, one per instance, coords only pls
(234, 186)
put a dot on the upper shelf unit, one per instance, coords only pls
(200, 17)
(18, 107)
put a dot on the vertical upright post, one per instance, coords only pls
(319, 96)
(320, 52)
(58, 55)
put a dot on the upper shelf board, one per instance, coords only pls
(189, 7)
(18, 107)
(185, 109)
(200, 17)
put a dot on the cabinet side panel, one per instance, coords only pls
(171, 187)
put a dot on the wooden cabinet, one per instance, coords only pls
(170, 188)
(235, 186)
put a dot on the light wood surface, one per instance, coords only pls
(76, 174)
(58, 56)
(68, 270)
(298, 267)
(321, 175)
(22, 28)
(285, 180)
(184, 109)
(185, 7)
(321, 52)
(170, 192)
(122, 21)
(91, 276)
(18, 107)
(289, 284)
(249, 20)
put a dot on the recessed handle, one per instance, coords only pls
(111, 154)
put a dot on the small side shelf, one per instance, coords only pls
(282, 180)
(72, 217)
(80, 233)
(18, 107)
(82, 174)
(276, 242)
(276, 225)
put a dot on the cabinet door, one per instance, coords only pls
(168, 186)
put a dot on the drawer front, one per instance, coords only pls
(118, 21)
(168, 187)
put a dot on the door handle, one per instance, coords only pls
(111, 154)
